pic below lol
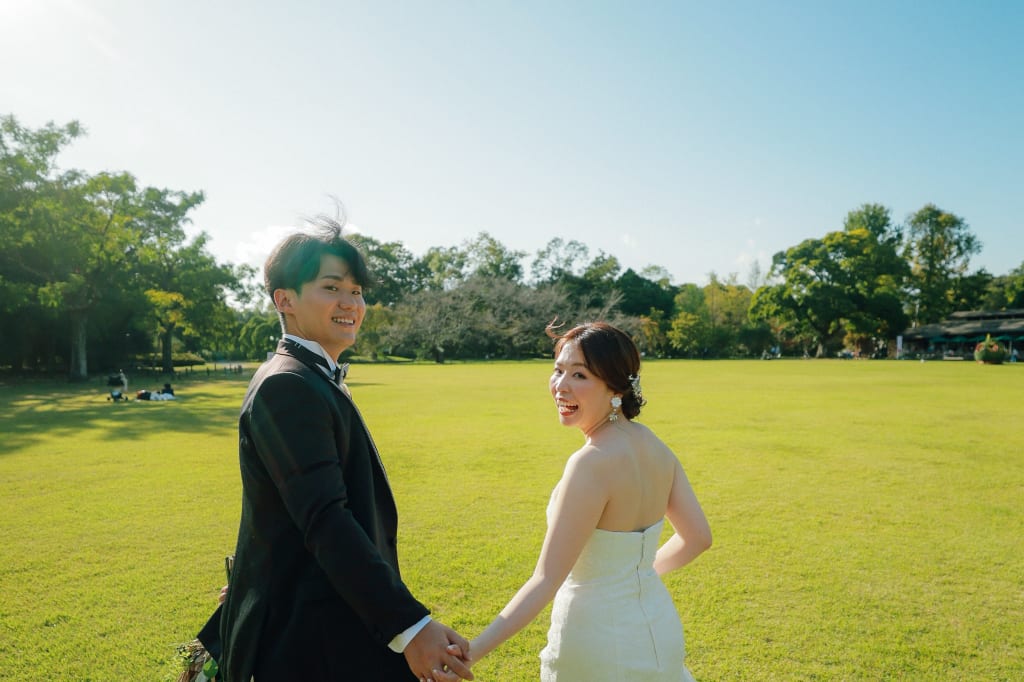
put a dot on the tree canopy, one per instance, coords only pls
(97, 270)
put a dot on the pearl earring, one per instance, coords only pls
(616, 404)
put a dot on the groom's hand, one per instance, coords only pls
(430, 658)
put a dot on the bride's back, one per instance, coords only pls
(638, 470)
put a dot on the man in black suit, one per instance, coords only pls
(315, 594)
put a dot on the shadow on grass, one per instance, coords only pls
(35, 411)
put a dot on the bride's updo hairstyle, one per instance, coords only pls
(611, 355)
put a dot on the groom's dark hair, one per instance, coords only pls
(296, 260)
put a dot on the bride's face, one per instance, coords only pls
(583, 400)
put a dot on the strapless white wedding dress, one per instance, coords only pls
(612, 619)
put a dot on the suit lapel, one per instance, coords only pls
(308, 358)
(315, 362)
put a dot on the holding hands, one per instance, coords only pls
(438, 654)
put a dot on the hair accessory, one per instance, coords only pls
(616, 404)
(634, 383)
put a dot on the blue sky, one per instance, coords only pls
(694, 136)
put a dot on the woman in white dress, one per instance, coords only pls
(612, 617)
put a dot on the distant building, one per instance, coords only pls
(960, 331)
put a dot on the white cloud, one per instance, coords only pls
(258, 245)
(255, 249)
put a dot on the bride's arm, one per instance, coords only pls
(577, 507)
(692, 532)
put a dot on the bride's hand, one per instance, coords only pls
(471, 658)
(456, 650)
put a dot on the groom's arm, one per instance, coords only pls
(293, 431)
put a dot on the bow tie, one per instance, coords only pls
(337, 375)
(340, 372)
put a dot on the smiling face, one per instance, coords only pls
(583, 400)
(329, 309)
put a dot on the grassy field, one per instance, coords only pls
(868, 516)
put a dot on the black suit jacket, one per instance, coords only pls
(315, 594)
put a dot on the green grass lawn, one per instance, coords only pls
(868, 516)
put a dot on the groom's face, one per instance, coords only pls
(329, 309)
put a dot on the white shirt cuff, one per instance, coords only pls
(402, 639)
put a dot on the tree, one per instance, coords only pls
(259, 334)
(876, 275)
(594, 290)
(877, 220)
(392, 267)
(94, 250)
(33, 197)
(756, 276)
(1004, 292)
(653, 337)
(482, 317)
(690, 298)
(939, 247)
(812, 297)
(373, 334)
(709, 320)
(187, 288)
(603, 269)
(641, 295)
(90, 242)
(557, 260)
(850, 281)
(490, 258)
(973, 291)
(441, 268)
(689, 334)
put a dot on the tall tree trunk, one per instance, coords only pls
(166, 348)
(79, 370)
(50, 355)
(26, 358)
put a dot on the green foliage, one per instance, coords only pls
(892, 529)
(488, 257)
(259, 335)
(641, 295)
(94, 268)
(713, 321)
(93, 250)
(557, 260)
(483, 317)
(939, 247)
(393, 268)
(689, 334)
(652, 339)
(1001, 293)
(848, 283)
(442, 268)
